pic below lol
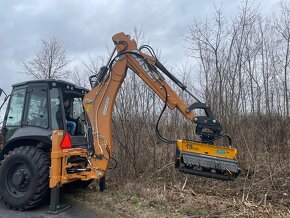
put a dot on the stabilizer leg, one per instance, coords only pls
(55, 206)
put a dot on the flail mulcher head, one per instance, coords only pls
(206, 160)
(203, 158)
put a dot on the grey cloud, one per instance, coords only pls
(85, 27)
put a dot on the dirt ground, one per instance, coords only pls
(195, 197)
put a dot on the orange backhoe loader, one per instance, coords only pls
(38, 148)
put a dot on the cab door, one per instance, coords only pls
(14, 113)
(37, 107)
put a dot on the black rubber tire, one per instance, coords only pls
(31, 165)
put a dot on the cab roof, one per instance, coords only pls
(53, 82)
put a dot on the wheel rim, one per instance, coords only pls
(18, 178)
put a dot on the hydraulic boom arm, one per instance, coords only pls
(99, 103)
(100, 100)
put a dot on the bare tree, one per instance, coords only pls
(79, 77)
(49, 62)
(282, 25)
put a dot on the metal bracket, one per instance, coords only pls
(207, 122)
(199, 105)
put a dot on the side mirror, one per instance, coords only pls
(5, 99)
(2, 91)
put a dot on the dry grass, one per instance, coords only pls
(199, 198)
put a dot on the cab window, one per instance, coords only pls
(15, 108)
(78, 110)
(79, 115)
(37, 114)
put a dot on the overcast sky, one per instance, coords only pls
(86, 27)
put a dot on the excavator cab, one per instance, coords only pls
(36, 108)
(34, 112)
